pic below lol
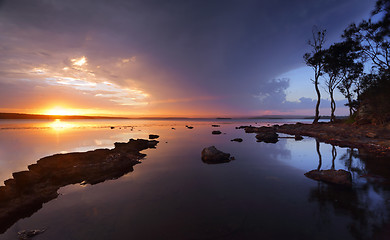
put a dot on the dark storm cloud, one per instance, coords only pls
(230, 49)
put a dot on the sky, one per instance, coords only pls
(195, 58)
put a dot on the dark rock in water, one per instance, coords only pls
(189, 127)
(267, 137)
(214, 125)
(27, 234)
(153, 136)
(339, 177)
(112, 127)
(27, 191)
(298, 137)
(173, 128)
(236, 140)
(216, 132)
(213, 155)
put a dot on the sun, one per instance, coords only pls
(60, 111)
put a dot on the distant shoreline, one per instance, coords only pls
(14, 116)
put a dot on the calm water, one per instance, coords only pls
(172, 194)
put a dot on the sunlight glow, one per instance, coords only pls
(60, 111)
(58, 125)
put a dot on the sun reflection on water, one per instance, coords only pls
(57, 125)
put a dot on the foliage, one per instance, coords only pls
(366, 43)
(314, 60)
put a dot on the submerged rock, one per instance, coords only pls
(213, 155)
(216, 132)
(215, 125)
(153, 136)
(27, 234)
(339, 177)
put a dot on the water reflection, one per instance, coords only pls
(175, 195)
(58, 125)
(366, 202)
(25, 193)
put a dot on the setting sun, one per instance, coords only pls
(60, 111)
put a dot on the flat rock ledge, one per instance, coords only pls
(370, 138)
(27, 191)
(339, 177)
(367, 138)
(212, 155)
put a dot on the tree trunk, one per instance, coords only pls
(332, 106)
(317, 112)
(319, 154)
(334, 155)
(349, 102)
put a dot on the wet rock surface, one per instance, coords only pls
(368, 138)
(212, 155)
(28, 234)
(27, 191)
(216, 132)
(339, 177)
(267, 137)
(374, 139)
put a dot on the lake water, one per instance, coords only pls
(172, 194)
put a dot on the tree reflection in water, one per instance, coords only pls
(366, 202)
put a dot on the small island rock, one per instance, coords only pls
(213, 155)
(153, 136)
(236, 140)
(339, 177)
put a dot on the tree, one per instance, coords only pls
(339, 63)
(373, 37)
(314, 60)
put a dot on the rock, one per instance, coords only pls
(215, 125)
(339, 177)
(236, 140)
(112, 127)
(27, 234)
(371, 135)
(267, 137)
(27, 191)
(298, 137)
(216, 132)
(250, 129)
(189, 127)
(173, 128)
(213, 155)
(153, 136)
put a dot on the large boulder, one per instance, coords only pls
(339, 177)
(213, 155)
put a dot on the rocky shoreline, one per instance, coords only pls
(367, 138)
(27, 191)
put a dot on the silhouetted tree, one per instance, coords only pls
(373, 37)
(314, 60)
(341, 66)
